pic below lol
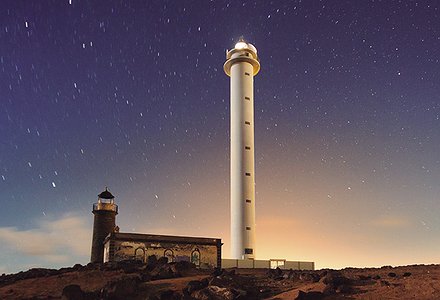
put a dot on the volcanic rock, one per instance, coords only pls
(170, 295)
(310, 295)
(276, 274)
(195, 285)
(309, 277)
(335, 283)
(122, 288)
(215, 293)
(72, 292)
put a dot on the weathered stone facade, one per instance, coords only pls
(203, 252)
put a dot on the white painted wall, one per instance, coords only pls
(265, 264)
(241, 66)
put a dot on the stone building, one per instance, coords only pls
(203, 252)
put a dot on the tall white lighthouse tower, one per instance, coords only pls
(242, 65)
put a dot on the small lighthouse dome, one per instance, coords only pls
(241, 45)
(106, 195)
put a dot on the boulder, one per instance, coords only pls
(72, 292)
(276, 274)
(122, 288)
(92, 266)
(309, 277)
(334, 278)
(291, 274)
(323, 273)
(162, 260)
(170, 295)
(183, 266)
(218, 281)
(335, 282)
(364, 277)
(310, 295)
(229, 273)
(344, 289)
(165, 271)
(217, 272)
(77, 267)
(195, 285)
(151, 262)
(215, 293)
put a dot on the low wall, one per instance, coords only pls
(266, 264)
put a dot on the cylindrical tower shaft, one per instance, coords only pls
(104, 223)
(241, 65)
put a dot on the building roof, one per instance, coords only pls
(106, 195)
(140, 237)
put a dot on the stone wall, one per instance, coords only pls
(204, 256)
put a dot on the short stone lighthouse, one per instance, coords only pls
(105, 211)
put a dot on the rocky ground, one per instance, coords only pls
(160, 280)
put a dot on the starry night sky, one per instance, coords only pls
(132, 95)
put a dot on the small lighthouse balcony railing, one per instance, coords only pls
(105, 206)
